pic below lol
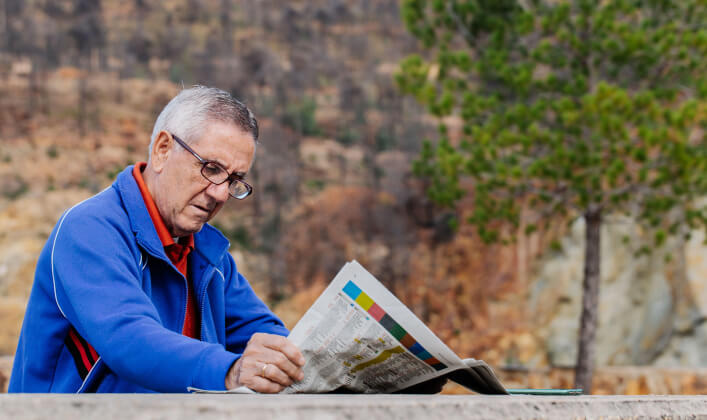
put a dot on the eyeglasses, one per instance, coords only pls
(217, 174)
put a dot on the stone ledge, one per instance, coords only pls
(369, 407)
(608, 380)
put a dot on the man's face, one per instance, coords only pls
(185, 199)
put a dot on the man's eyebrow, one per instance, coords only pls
(239, 175)
(220, 163)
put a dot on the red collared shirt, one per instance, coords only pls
(177, 252)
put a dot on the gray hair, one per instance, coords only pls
(187, 114)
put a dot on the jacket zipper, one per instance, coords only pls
(202, 302)
(186, 301)
(186, 295)
(156, 255)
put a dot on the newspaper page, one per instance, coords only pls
(358, 336)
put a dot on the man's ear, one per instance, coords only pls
(161, 149)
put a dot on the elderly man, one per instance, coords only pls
(134, 292)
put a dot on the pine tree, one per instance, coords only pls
(578, 108)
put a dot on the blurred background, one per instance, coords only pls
(82, 81)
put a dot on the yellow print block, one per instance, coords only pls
(365, 301)
(385, 355)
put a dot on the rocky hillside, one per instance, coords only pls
(79, 94)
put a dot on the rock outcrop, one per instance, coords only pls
(652, 308)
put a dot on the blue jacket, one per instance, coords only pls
(104, 275)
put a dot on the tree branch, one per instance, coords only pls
(468, 37)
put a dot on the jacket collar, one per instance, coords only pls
(208, 242)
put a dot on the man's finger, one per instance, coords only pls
(256, 375)
(285, 346)
(264, 385)
(281, 362)
(273, 373)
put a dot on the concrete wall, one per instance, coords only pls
(314, 407)
(608, 380)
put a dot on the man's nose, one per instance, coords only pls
(219, 192)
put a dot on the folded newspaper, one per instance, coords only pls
(357, 336)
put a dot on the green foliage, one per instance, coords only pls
(572, 106)
(238, 234)
(348, 136)
(52, 152)
(315, 184)
(180, 71)
(111, 174)
(385, 140)
(14, 188)
(300, 117)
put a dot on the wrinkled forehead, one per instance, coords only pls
(216, 131)
(226, 144)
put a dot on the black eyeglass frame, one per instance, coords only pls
(230, 178)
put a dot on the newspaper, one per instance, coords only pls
(359, 337)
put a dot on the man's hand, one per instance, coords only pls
(269, 364)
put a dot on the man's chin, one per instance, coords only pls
(190, 229)
(196, 229)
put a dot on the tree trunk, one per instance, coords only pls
(590, 303)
